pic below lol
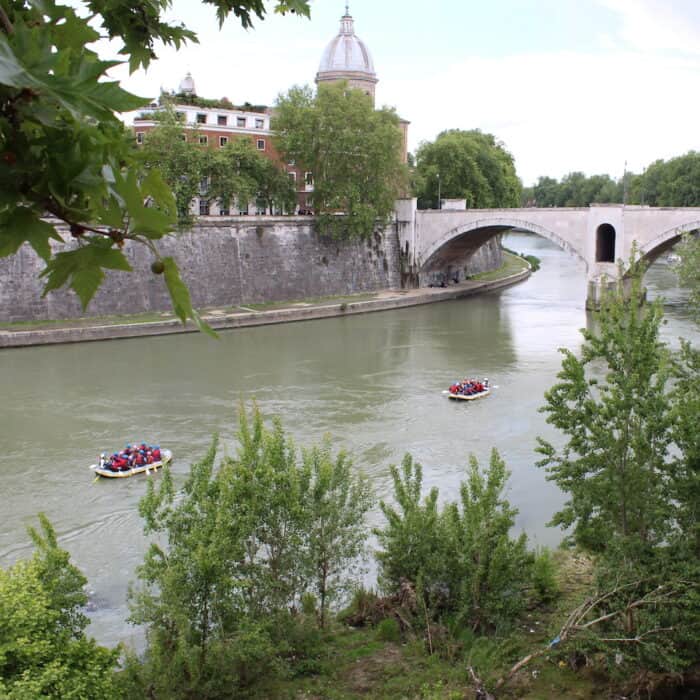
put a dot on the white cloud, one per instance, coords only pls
(659, 24)
(562, 112)
(631, 97)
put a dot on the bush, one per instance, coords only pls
(362, 610)
(534, 261)
(544, 575)
(389, 631)
(435, 550)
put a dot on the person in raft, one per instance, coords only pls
(131, 456)
(469, 387)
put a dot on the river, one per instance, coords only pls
(372, 382)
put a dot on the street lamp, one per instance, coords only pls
(439, 201)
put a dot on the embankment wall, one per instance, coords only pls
(225, 262)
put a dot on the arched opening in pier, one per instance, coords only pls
(605, 243)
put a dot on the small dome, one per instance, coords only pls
(346, 53)
(187, 85)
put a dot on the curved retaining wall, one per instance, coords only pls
(385, 302)
(225, 262)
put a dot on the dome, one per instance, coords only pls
(348, 58)
(187, 85)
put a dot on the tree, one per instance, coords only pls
(673, 183)
(202, 639)
(63, 151)
(491, 567)
(467, 165)
(337, 504)
(689, 269)
(411, 540)
(615, 465)
(43, 648)
(235, 172)
(236, 552)
(461, 557)
(173, 153)
(353, 151)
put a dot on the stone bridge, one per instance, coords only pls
(439, 241)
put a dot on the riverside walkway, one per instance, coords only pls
(85, 330)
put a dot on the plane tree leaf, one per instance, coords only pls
(82, 269)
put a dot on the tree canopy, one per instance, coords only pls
(246, 544)
(64, 152)
(44, 651)
(467, 165)
(236, 172)
(671, 183)
(352, 150)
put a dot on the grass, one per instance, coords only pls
(311, 301)
(150, 317)
(356, 663)
(153, 317)
(512, 264)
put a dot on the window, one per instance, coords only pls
(224, 211)
(309, 179)
(201, 118)
(204, 207)
(180, 116)
(139, 137)
(221, 120)
(261, 207)
(261, 144)
(204, 185)
(293, 177)
(203, 139)
(223, 140)
(259, 123)
(240, 121)
(292, 163)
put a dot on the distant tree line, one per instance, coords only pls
(671, 183)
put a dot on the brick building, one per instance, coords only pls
(219, 122)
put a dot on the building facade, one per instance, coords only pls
(219, 122)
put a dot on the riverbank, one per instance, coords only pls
(83, 330)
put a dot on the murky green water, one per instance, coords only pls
(373, 382)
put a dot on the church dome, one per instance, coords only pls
(347, 58)
(187, 85)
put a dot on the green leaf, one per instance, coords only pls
(81, 269)
(154, 186)
(73, 33)
(113, 97)
(21, 225)
(12, 72)
(180, 296)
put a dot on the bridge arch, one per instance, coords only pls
(659, 245)
(497, 225)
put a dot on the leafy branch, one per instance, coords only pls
(63, 151)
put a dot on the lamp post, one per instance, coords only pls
(439, 201)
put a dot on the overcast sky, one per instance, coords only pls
(564, 84)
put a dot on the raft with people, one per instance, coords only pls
(132, 460)
(469, 389)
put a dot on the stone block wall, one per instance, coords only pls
(224, 261)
